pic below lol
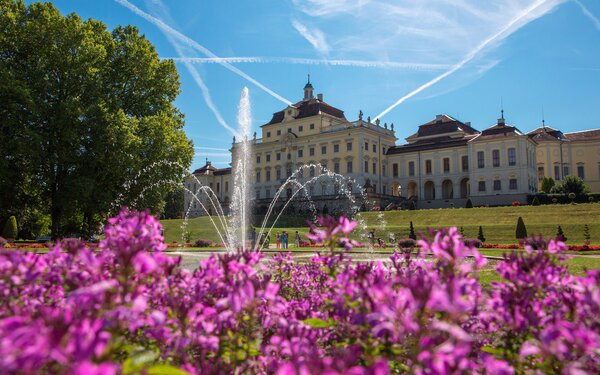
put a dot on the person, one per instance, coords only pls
(380, 242)
(284, 241)
(297, 240)
(278, 240)
(253, 237)
(266, 241)
(371, 237)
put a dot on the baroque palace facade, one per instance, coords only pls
(443, 164)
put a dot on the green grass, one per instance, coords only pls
(498, 223)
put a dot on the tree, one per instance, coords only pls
(469, 204)
(88, 116)
(412, 206)
(480, 235)
(174, 202)
(571, 184)
(521, 231)
(411, 232)
(547, 184)
(560, 235)
(10, 231)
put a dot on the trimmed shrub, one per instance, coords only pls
(473, 242)
(462, 231)
(201, 242)
(411, 232)
(586, 235)
(412, 206)
(571, 184)
(480, 235)
(535, 201)
(407, 243)
(469, 204)
(560, 235)
(10, 229)
(547, 184)
(521, 231)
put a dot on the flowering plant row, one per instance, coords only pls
(130, 308)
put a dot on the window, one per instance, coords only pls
(497, 185)
(257, 194)
(336, 148)
(288, 172)
(384, 190)
(465, 163)
(366, 166)
(278, 156)
(374, 168)
(268, 134)
(383, 172)
(512, 156)
(289, 156)
(258, 177)
(268, 157)
(395, 170)
(312, 126)
(481, 185)
(383, 151)
(300, 153)
(480, 159)
(267, 193)
(278, 174)
(336, 167)
(311, 172)
(218, 187)
(580, 172)
(496, 158)
(278, 132)
(257, 159)
(289, 130)
(349, 146)
(349, 167)
(446, 165)
(428, 168)
(268, 176)
(540, 173)
(512, 184)
(374, 147)
(566, 170)
(411, 168)
(557, 172)
(311, 151)
(366, 146)
(300, 128)
(323, 150)
(226, 186)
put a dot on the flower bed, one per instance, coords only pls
(129, 308)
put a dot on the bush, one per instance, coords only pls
(10, 231)
(469, 204)
(412, 206)
(586, 235)
(407, 243)
(521, 231)
(535, 201)
(571, 184)
(547, 185)
(473, 242)
(200, 242)
(411, 232)
(560, 235)
(480, 235)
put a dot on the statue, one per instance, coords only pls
(255, 136)
(234, 139)
(369, 119)
(392, 126)
(385, 125)
(360, 114)
(377, 122)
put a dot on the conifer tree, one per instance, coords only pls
(560, 235)
(480, 235)
(521, 231)
(411, 233)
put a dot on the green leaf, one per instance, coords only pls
(317, 323)
(165, 370)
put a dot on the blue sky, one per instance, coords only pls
(403, 60)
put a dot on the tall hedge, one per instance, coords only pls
(10, 228)
(521, 231)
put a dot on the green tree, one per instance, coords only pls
(10, 230)
(521, 231)
(547, 184)
(174, 202)
(412, 206)
(586, 235)
(560, 235)
(89, 117)
(480, 235)
(571, 184)
(411, 232)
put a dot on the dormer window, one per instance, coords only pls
(289, 112)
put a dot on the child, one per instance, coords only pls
(297, 240)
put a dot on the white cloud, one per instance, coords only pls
(314, 37)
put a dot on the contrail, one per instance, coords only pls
(210, 148)
(589, 14)
(306, 61)
(470, 56)
(192, 43)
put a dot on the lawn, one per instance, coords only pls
(498, 223)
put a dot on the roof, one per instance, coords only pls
(429, 144)
(207, 167)
(222, 171)
(546, 133)
(501, 129)
(443, 124)
(308, 108)
(583, 135)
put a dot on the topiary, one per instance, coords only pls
(586, 235)
(521, 231)
(472, 242)
(10, 229)
(200, 242)
(462, 231)
(469, 204)
(535, 201)
(480, 235)
(411, 232)
(412, 206)
(560, 235)
(407, 243)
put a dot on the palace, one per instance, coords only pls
(443, 164)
